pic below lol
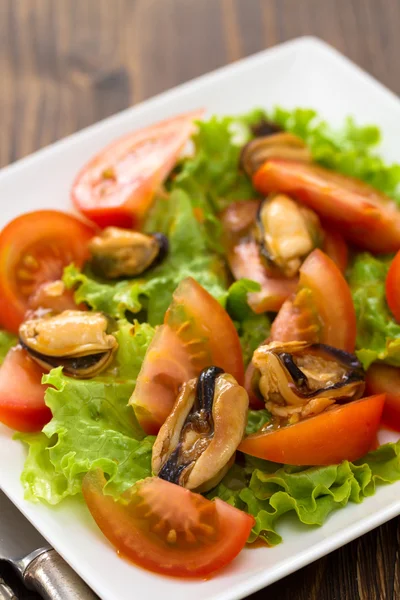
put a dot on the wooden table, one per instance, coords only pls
(68, 63)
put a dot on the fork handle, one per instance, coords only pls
(53, 579)
(6, 592)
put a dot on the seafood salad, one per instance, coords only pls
(212, 338)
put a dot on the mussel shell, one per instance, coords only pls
(197, 443)
(259, 235)
(204, 399)
(80, 367)
(111, 267)
(84, 347)
(279, 145)
(264, 128)
(354, 377)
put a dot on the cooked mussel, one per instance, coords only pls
(298, 379)
(278, 145)
(286, 233)
(197, 443)
(120, 252)
(264, 128)
(79, 341)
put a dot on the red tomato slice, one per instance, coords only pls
(166, 528)
(384, 379)
(363, 215)
(54, 297)
(205, 329)
(22, 404)
(345, 432)
(34, 249)
(166, 366)
(197, 333)
(322, 309)
(244, 258)
(393, 287)
(117, 186)
(336, 248)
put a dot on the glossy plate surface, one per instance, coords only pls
(304, 72)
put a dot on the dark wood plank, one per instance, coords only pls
(67, 64)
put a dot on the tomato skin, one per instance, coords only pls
(196, 334)
(322, 309)
(385, 379)
(165, 367)
(244, 258)
(336, 248)
(393, 287)
(51, 239)
(117, 186)
(129, 528)
(346, 432)
(359, 212)
(195, 315)
(22, 405)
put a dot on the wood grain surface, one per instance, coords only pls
(65, 64)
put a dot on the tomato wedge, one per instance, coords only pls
(384, 379)
(117, 186)
(34, 249)
(322, 309)
(244, 258)
(22, 404)
(345, 432)
(393, 287)
(359, 212)
(166, 366)
(167, 529)
(336, 248)
(197, 333)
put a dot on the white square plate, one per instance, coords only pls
(304, 72)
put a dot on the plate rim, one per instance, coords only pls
(367, 522)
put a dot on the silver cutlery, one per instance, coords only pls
(38, 564)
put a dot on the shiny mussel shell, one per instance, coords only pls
(197, 443)
(283, 145)
(124, 253)
(286, 233)
(300, 375)
(77, 340)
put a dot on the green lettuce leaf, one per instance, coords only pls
(7, 341)
(211, 176)
(214, 167)
(268, 491)
(257, 419)
(92, 426)
(378, 335)
(150, 295)
(252, 329)
(349, 150)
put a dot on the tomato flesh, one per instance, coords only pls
(22, 405)
(205, 329)
(393, 287)
(34, 249)
(385, 379)
(345, 432)
(165, 367)
(197, 333)
(336, 248)
(322, 309)
(117, 186)
(167, 529)
(359, 212)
